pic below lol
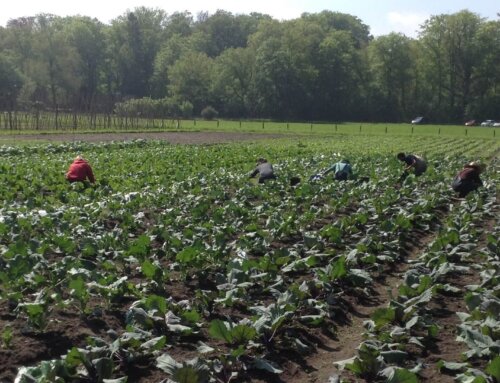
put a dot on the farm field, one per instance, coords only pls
(177, 266)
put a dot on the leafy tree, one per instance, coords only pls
(339, 81)
(451, 52)
(392, 67)
(190, 79)
(11, 82)
(224, 31)
(234, 72)
(486, 74)
(86, 36)
(135, 40)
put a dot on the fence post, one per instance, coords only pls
(288, 126)
(336, 127)
(386, 130)
(465, 131)
(240, 123)
(262, 124)
(217, 123)
(360, 128)
(412, 129)
(439, 131)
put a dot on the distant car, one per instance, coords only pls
(418, 120)
(496, 124)
(471, 123)
(488, 123)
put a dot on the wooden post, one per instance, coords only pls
(262, 124)
(240, 123)
(386, 130)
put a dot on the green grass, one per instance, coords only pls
(344, 128)
(350, 128)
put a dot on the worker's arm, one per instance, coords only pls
(90, 174)
(329, 170)
(413, 163)
(254, 173)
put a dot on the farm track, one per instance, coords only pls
(195, 138)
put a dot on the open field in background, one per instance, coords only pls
(101, 123)
(177, 266)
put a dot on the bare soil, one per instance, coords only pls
(172, 137)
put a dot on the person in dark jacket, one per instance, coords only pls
(80, 171)
(413, 163)
(265, 171)
(468, 179)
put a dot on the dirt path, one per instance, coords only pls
(172, 137)
(349, 335)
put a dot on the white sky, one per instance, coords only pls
(382, 16)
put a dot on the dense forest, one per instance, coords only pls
(319, 67)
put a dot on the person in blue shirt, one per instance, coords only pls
(342, 170)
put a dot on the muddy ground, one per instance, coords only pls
(172, 137)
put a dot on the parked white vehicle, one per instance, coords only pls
(488, 123)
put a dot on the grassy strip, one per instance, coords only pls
(351, 128)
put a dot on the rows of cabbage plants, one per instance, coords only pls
(461, 261)
(177, 266)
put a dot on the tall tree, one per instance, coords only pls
(485, 87)
(234, 73)
(134, 41)
(392, 67)
(86, 36)
(339, 81)
(11, 82)
(191, 78)
(449, 43)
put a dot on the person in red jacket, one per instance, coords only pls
(80, 171)
(468, 179)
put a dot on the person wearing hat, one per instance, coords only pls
(264, 169)
(468, 179)
(80, 171)
(342, 170)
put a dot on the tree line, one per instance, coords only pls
(320, 67)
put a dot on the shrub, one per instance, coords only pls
(209, 113)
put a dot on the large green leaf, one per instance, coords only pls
(493, 368)
(219, 330)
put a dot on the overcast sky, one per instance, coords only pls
(382, 16)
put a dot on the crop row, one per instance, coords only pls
(195, 260)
